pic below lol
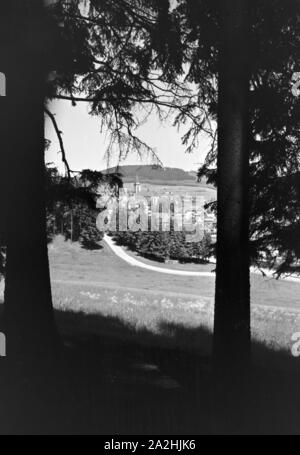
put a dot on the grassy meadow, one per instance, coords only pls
(164, 309)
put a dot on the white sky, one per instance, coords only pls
(85, 145)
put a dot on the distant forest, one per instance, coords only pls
(156, 175)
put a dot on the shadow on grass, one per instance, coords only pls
(115, 379)
(63, 240)
(90, 245)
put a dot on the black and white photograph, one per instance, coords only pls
(150, 220)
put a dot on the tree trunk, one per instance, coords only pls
(232, 344)
(28, 313)
(72, 227)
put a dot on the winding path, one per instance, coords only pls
(121, 253)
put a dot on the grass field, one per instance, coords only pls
(98, 283)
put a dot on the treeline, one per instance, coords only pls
(72, 204)
(163, 246)
(76, 222)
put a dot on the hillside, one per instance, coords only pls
(155, 175)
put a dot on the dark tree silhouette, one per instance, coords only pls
(232, 342)
(72, 203)
(274, 134)
(28, 315)
(273, 142)
(232, 308)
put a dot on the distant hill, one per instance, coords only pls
(155, 175)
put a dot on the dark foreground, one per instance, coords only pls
(117, 386)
